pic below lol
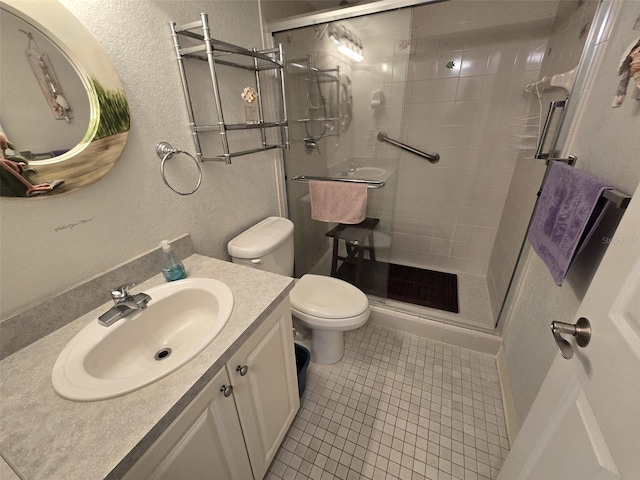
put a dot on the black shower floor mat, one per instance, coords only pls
(417, 286)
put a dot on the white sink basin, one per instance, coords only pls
(181, 319)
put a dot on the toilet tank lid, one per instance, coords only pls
(262, 238)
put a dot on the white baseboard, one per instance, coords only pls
(511, 420)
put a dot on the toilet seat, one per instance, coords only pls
(328, 303)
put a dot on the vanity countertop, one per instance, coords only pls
(44, 436)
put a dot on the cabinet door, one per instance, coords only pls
(204, 442)
(267, 394)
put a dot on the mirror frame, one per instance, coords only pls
(97, 152)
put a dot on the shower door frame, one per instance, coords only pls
(307, 20)
(599, 31)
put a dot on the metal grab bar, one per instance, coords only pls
(308, 178)
(431, 157)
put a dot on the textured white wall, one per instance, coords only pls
(605, 141)
(130, 210)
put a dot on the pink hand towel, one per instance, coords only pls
(339, 202)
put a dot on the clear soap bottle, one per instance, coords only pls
(171, 269)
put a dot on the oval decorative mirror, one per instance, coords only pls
(64, 120)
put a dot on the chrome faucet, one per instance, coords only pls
(123, 304)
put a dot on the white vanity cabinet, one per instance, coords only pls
(265, 387)
(233, 428)
(206, 437)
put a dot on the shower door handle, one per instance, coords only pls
(581, 330)
(553, 106)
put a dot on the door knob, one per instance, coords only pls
(242, 370)
(581, 330)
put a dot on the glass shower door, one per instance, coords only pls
(450, 77)
(345, 83)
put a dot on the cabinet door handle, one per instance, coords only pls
(226, 390)
(242, 370)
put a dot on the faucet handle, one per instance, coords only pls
(118, 293)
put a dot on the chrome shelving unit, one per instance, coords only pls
(221, 54)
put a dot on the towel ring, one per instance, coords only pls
(165, 151)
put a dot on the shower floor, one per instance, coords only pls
(473, 300)
(397, 406)
(473, 297)
(412, 285)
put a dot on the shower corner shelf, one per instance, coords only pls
(527, 141)
(218, 53)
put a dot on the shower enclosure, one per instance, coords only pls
(447, 78)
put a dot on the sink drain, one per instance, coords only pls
(162, 354)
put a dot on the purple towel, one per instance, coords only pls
(570, 207)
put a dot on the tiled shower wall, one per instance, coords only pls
(380, 35)
(310, 241)
(565, 45)
(465, 99)
(386, 41)
(453, 77)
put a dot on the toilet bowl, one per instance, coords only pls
(328, 306)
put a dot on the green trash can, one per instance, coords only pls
(303, 357)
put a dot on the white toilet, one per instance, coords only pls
(328, 306)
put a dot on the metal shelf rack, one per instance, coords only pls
(218, 53)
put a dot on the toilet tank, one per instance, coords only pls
(267, 246)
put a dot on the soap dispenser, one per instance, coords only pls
(171, 269)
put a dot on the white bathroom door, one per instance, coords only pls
(585, 421)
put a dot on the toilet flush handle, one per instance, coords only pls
(257, 261)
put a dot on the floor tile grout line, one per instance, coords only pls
(456, 446)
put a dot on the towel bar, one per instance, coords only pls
(570, 160)
(308, 178)
(618, 198)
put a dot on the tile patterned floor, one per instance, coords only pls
(397, 406)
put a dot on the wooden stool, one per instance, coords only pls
(354, 237)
